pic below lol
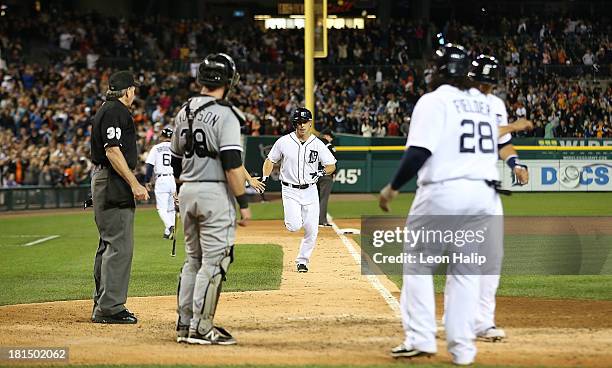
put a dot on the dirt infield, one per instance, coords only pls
(331, 315)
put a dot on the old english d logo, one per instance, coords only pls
(312, 158)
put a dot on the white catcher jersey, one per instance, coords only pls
(498, 108)
(460, 130)
(159, 157)
(215, 129)
(298, 160)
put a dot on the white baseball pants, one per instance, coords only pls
(165, 187)
(462, 293)
(301, 207)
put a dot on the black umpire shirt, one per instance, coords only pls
(113, 126)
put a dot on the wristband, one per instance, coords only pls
(243, 201)
(263, 179)
(512, 161)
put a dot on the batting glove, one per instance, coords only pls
(318, 174)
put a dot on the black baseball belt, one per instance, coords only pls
(158, 175)
(497, 186)
(296, 186)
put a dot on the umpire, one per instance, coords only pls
(114, 189)
(326, 182)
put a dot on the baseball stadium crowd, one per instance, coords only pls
(45, 110)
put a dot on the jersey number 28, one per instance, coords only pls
(467, 141)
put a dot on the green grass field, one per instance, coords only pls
(597, 287)
(61, 269)
(518, 204)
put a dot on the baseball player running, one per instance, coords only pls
(299, 154)
(485, 73)
(452, 144)
(158, 165)
(206, 158)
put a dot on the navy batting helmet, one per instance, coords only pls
(452, 60)
(485, 69)
(166, 132)
(218, 70)
(300, 115)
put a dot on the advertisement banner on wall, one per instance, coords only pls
(562, 175)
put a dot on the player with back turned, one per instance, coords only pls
(206, 158)
(485, 73)
(158, 165)
(452, 144)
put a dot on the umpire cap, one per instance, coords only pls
(121, 80)
(452, 60)
(327, 131)
(166, 132)
(485, 69)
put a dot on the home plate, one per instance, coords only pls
(349, 230)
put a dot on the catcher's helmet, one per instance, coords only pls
(166, 132)
(452, 60)
(218, 70)
(300, 115)
(485, 69)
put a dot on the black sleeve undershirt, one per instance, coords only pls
(231, 159)
(177, 166)
(412, 160)
(502, 145)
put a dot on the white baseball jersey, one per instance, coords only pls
(159, 157)
(459, 130)
(299, 160)
(498, 110)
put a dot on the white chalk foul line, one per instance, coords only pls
(21, 236)
(41, 240)
(382, 290)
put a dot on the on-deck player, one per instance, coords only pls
(158, 165)
(452, 144)
(299, 154)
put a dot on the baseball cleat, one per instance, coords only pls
(301, 268)
(463, 363)
(403, 351)
(216, 336)
(325, 225)
(169, 233)
(125, 317)
(182, 333)
(492, 334)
